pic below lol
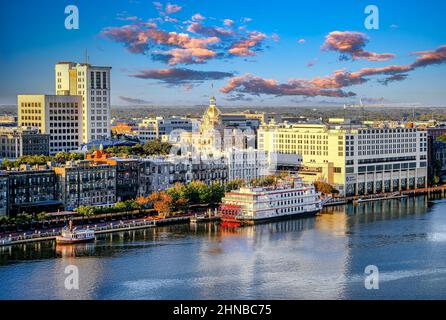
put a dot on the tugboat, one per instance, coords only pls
(70, 235)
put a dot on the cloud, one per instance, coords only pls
(196, 44)
(198, 17)
(228, 22)
(430, 57)
(168, 9)
(181, 76)
(133, 100)
(351, 46)
(334, 84)
(301, 41)
(248, 47)
(186, 48)
(129, 35)
(393, 78)
(249, 84)
(246, 19)
(198, 28)
(312, 63)
(172, 8)
(123, 16)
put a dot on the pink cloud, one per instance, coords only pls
(228, 22)
(245, 47)
(351, 46)
(173, 8)
(301, 41)
(198, 17)
(332, 85)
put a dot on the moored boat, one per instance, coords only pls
(71, 235)
(289, 198)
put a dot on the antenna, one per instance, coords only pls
(86, 56)
(362, 110)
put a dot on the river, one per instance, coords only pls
(323, 257)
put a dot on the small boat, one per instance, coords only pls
(70, 235)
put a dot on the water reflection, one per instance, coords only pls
(321, 257)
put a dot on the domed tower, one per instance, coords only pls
(211, 117)
(211, 129)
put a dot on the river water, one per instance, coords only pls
(323, 257)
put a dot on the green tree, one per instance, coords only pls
(86, 211)
(217, 192)
(325, 188)
(235, 184)
(179, 200)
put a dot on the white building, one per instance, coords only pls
(246, 164)
(385, 160)
(92, 83)
(163, 128)
(58, 116)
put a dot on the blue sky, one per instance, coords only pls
(259, 50)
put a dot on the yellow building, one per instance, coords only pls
(58, 116)
(357, 159)
(321, 148)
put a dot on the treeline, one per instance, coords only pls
(150, 148)
(60, 158)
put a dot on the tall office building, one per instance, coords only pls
(93, 84)
(58, 116)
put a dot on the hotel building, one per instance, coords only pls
(58, 116)
(357, 160)
(92, 83)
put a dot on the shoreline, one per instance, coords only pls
(137, 224)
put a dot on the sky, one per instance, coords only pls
(259, 53)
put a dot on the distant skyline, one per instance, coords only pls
(264, 53)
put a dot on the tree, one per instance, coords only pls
(63, 157)
(142, 202)
(217, 192)
(41, 216)
(196, 193)
(235, 184)
(161, 203)
(156, 147)
(86, 211)
(266, 181)
(325, 188)
(179, 200)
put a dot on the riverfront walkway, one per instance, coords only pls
(98, 229)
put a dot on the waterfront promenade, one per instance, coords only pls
(102, 228)
(7, 239)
